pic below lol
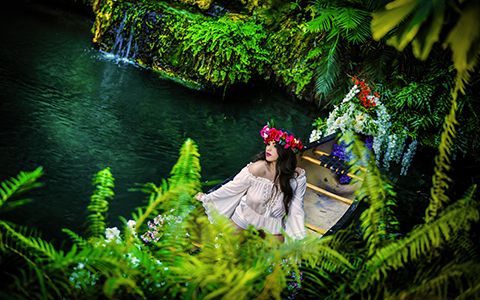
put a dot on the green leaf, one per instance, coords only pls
(395, 12)
(464, 41)
(423, 42)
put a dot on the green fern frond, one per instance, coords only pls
(378, 221)
(104, 184)
(159, 202)
(176, 194)
(35, 283)
(440, 179)
(473, 292)
(34, 248)
(421, 241)
(414, 96)
(187, 169)
(16, 185)
(78, 240)
(463, 246)
(463, 41)
(315, 254)
(113, 284)
(452, 278)
(105, 260)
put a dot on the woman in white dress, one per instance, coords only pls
(267, 193)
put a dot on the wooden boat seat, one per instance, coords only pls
(337, 165)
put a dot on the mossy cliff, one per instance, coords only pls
(209, 46)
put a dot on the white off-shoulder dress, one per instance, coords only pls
(252, 200)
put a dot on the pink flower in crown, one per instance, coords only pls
(285, 139)
(265, 132)
(289, 141)
(279, 135)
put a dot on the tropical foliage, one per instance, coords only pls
(345, 25)
(170, 248)
(227, 51)
(128, 262)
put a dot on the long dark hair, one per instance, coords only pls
(285, 170)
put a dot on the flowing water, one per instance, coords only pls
(74, 111)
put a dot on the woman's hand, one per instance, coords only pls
(199, 196)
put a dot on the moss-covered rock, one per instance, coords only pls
(211, 51)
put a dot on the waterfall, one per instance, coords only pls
(121, 50)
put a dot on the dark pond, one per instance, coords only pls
(74, 111)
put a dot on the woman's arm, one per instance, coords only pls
(226, 198)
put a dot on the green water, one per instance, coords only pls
(74, 111)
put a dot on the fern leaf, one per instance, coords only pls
(104, 184)
(78, 240)
(421, 241)
(378, 220)
(453, 278)
(32, 247)
(23, 182)
(440, 179)
(187, 169)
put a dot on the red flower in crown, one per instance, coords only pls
(283, 138)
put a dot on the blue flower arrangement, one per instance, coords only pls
(340, 151)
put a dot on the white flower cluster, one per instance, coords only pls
(132, 259)
(349, 116)
(315, 135)
(408, 156)
(131, 225)
(112, 235)
(353, 91)
(374, 121)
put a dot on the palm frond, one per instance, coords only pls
(351, 24)
(324, 21)
(104, 184)
(355, 24)
(328, 72)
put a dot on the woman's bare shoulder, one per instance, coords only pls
(257, 168)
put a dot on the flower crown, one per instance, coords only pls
(280, 137)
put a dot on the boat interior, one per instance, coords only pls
(326, 201)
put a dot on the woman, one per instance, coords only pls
(268, 193)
